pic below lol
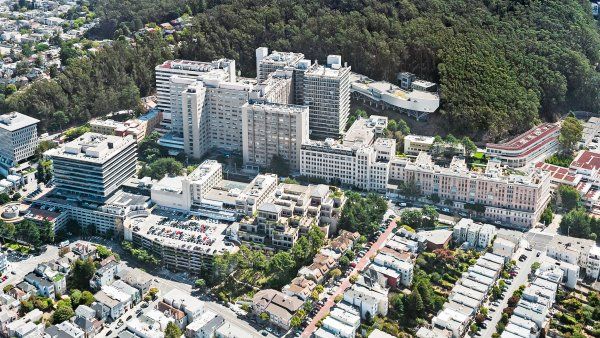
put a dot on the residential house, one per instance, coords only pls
(277, 305)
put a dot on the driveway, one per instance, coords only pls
(312, 327)
(518, 280)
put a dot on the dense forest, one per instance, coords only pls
(502, 65)
(109, 80)
(130, 15)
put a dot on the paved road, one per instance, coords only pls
(552, 228)
(21, 268)
(312, 327)
(166, 281)
(518, 280)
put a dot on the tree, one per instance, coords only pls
(570, 134)
(569, 196)
(172, 331)
(577, 223)
(412, 218)
(81, 273)
(87, 298)
(430, 216)
(280, 166)
(362, 214)
(264, 316)
(200, 283)
(59, 120)
(61, 314)
(470, 147)
(435, 198)
(414, 305)
(164, 166)
(103, 252)
(547, 216)
(281, 267)
(335, 273)
(153, 292)
(397, 303)
(75, 296)
(296, 321)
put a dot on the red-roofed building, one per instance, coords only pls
(559, 175)
(56, 218)
(587, 164)
(535, 144)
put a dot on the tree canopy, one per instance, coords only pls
(502, 65)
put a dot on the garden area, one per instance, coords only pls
(435, 275)
(577, 315)
(240, 274)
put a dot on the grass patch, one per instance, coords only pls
(560, 160)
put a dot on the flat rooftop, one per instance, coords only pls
(92, 147)
(206, 236)
(15, 121)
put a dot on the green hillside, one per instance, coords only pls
(502, 65)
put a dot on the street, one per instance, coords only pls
(518, 280)
(324, 311)
(22, 268)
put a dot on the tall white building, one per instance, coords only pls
(360, 160)
(270, 129)
(327, 93)
(18, 139)
(196, 140)
(222, 69)
(268, 63)
(93, 166)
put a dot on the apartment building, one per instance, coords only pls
(477, 235)
(219, 69)
(277, 305)
(270, 129)
(327, 93)
(360, 160)
(290, 212)
(533, 145)
(18, 139)
(268, 63)
(508, 196)
(93, 166)
(578, 251)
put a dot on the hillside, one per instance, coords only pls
(503, 65)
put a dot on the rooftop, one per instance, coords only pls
(15, 121)
(586, 160)
(92, 147)
(528, 138)
(194, 235)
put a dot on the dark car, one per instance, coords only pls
(109, 332)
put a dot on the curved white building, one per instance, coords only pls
(415, 103)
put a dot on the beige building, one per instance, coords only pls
(360, 160)
(508, 196)
(414, 144)
(270, 129)
(289, 212)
